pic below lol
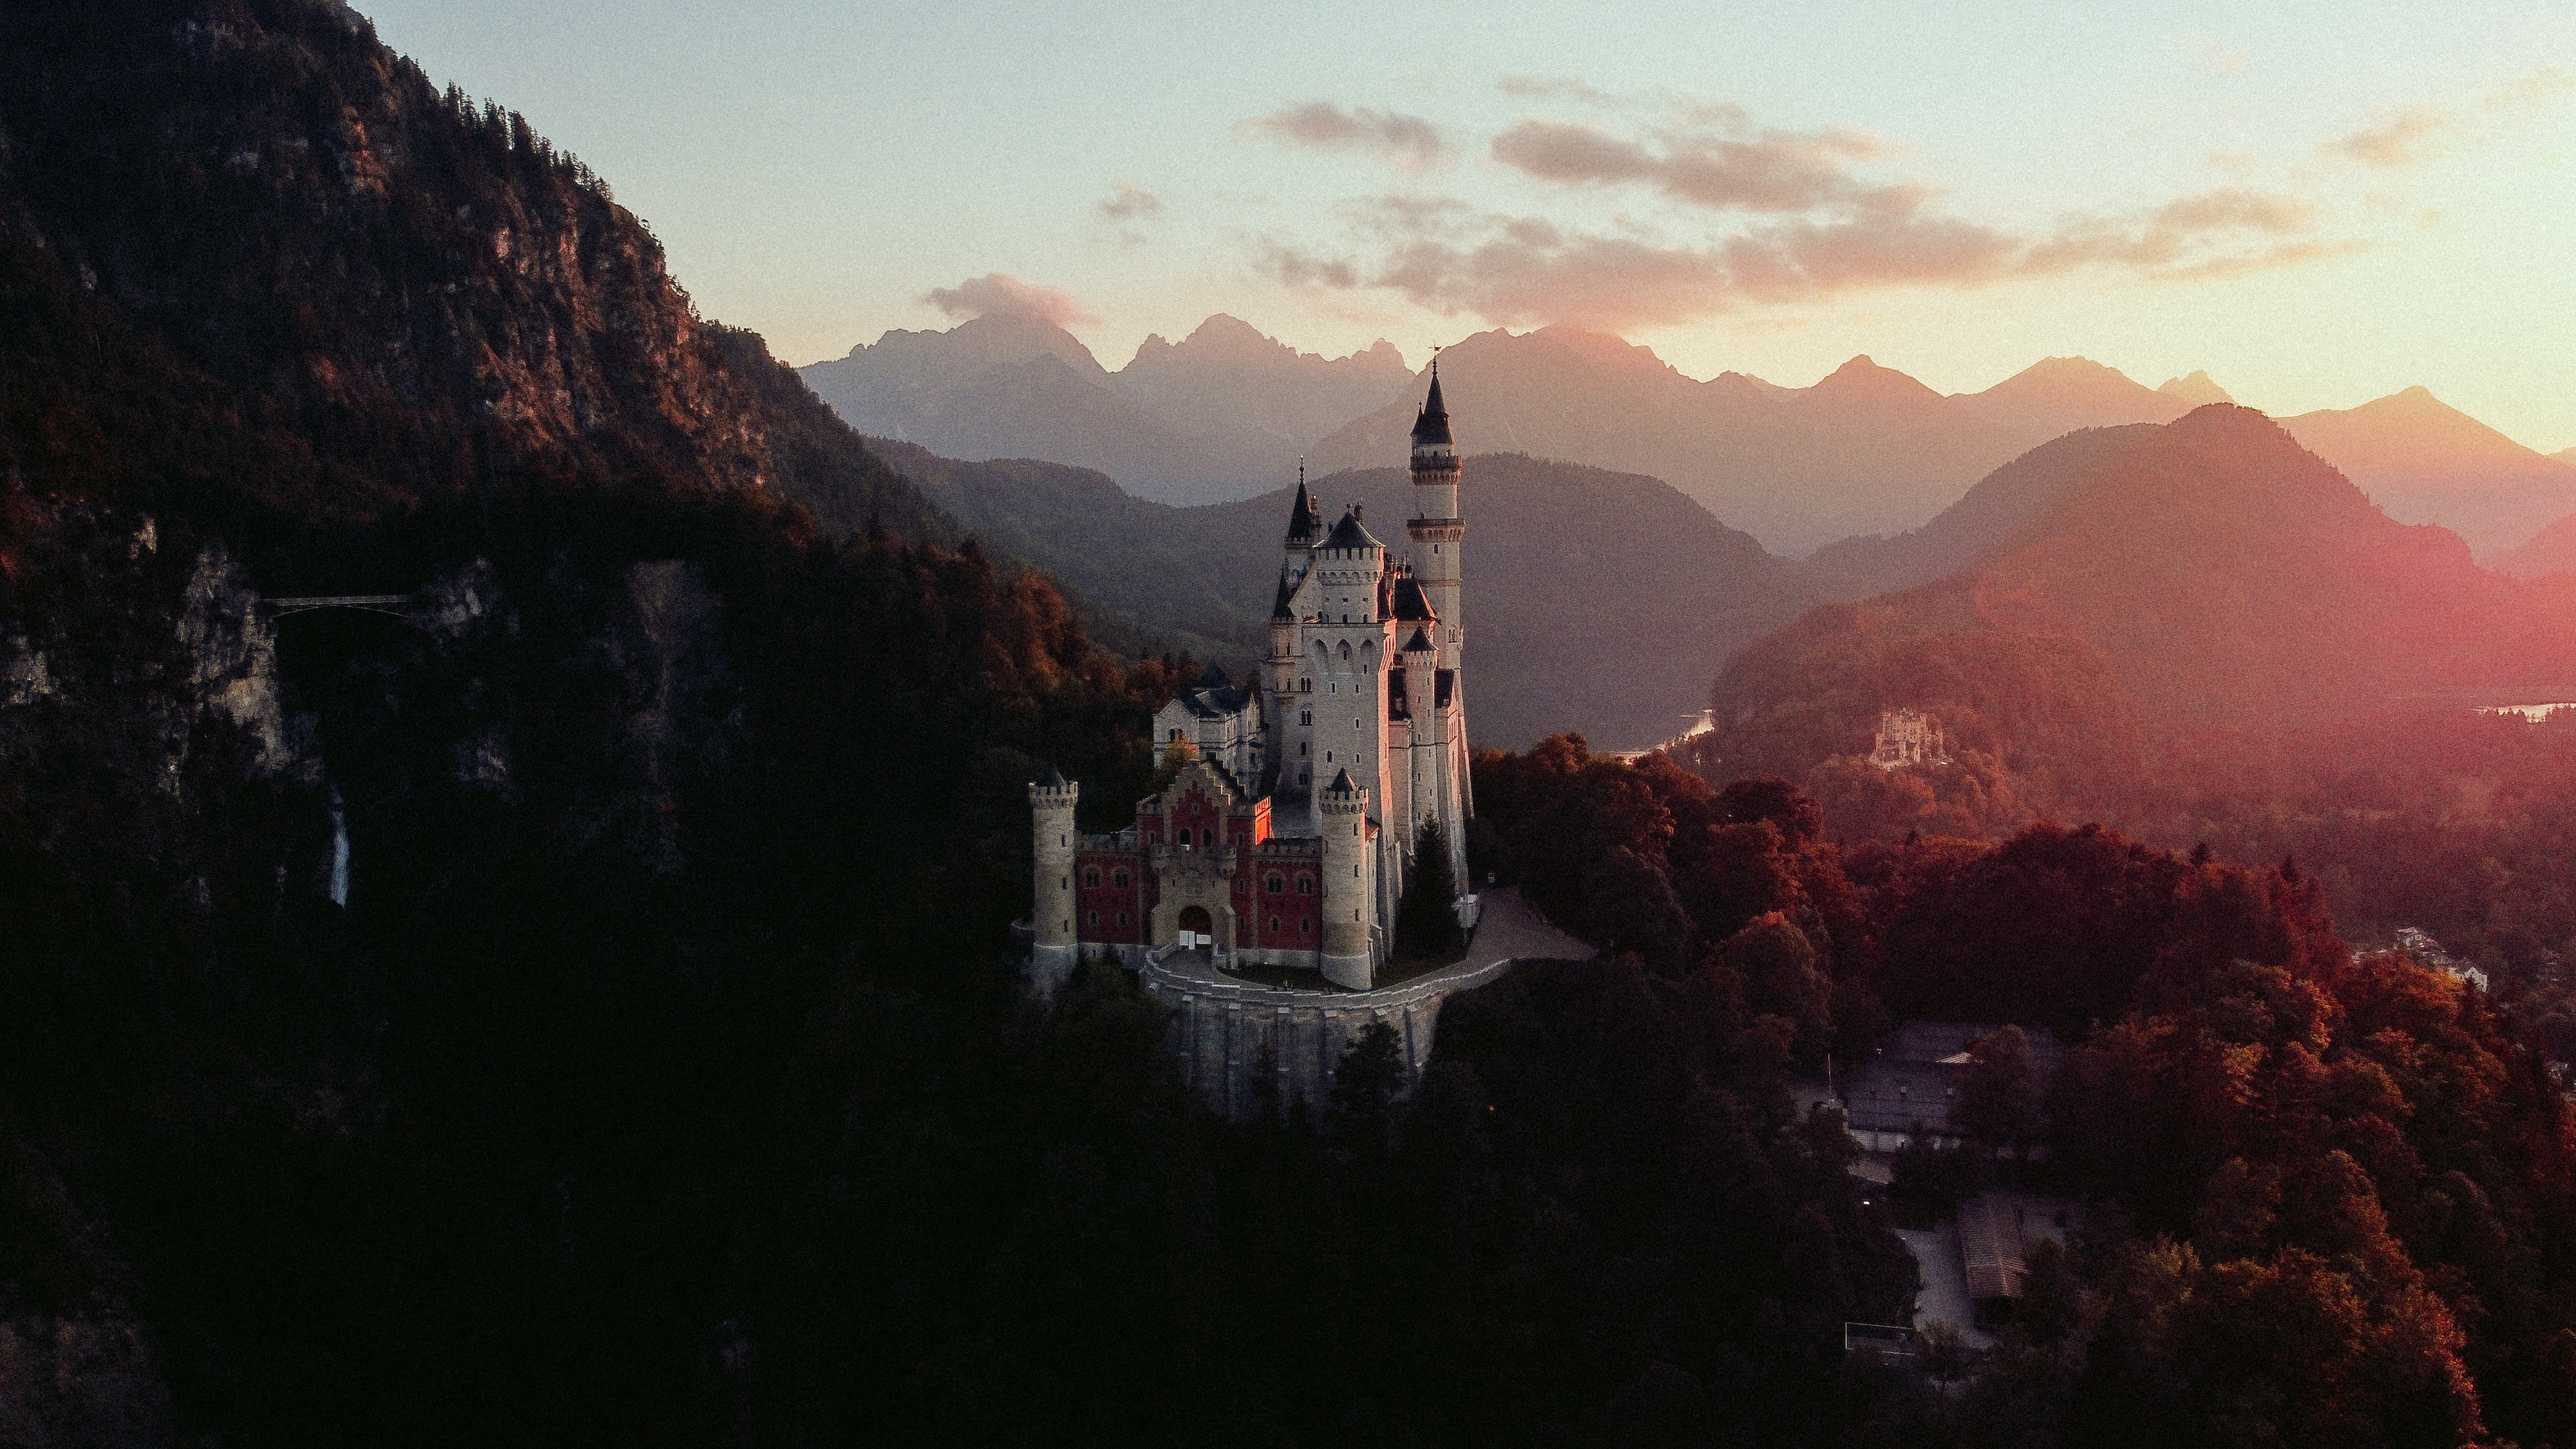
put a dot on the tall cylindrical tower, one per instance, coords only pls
(1341, 812)
(1051, 800)
(1436, 528)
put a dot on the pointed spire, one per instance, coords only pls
(1305, 520)
(1431, 426)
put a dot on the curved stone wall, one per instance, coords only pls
(1221, 1026)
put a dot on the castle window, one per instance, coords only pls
(1305, 686)
(1119, 880)
(1095, 918)
(1346, 644)
(1207, 835)
(1306, 927)
(1274, 925)
(1091, 880)
(1305, 885)
(1122, 918)
(1301, 749)
(1305, 716)
(1278, 885)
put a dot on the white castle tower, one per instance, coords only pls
(1289, 840)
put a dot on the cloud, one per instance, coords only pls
(2182, 233)
(1130, 202)
(2398, 143)
(2417, 132)
(1445, 256)
(1554, 88)
(999, 294)
(1409, 142)
(1774, 171)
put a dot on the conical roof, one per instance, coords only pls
(1420, 643)
(1051, 779)
(1431, 426)
(1304, 519)
(1343, 783)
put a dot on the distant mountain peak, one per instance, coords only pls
(2195, 389)
(1864, 378)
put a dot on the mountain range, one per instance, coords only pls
(1866, 452)
(1212, 417)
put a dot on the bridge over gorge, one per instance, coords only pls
(398, 605)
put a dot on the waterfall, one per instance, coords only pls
(339, 851)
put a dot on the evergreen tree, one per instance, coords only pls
(1426, 923)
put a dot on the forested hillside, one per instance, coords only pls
(2326, 1194)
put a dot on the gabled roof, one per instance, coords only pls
(1412, 605)
(1431, 426)
(1351, 533)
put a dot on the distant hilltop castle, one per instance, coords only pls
(1908, 737)
(1287, 839)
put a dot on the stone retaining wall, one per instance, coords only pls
(1220, 1028)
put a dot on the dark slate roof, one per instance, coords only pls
(1213, 678)
(1214, 703)
(1304, 519)
(1344, 783)
(1287, 595)
(1412, 605)
(1420, 643)
(1351, 533)
(1053, 779)
(1432, 424)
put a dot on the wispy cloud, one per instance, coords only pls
(1774, 171)
(1555, 88)
(1738, 216)
(2410, 135)
(999, 294)
(1131, 202)
(1409, 142)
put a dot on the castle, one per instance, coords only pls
(1908, 737)
(1288, 836)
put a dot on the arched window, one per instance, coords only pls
(1306, 927)
(1278, 885)
(1346, 655)
(1119, 880)
(1305, 686)
(1305, 716)
(1091, 880)
(1305, 885)
(1122, 918)
(1274, 925)
(1095, 918)
(1207, 835)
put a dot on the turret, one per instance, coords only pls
(1341, 817)
(1435, 527)
(1053, 949)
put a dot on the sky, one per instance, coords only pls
(2318, 204)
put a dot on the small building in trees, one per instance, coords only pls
(1908, 737)
(1916, 1084)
